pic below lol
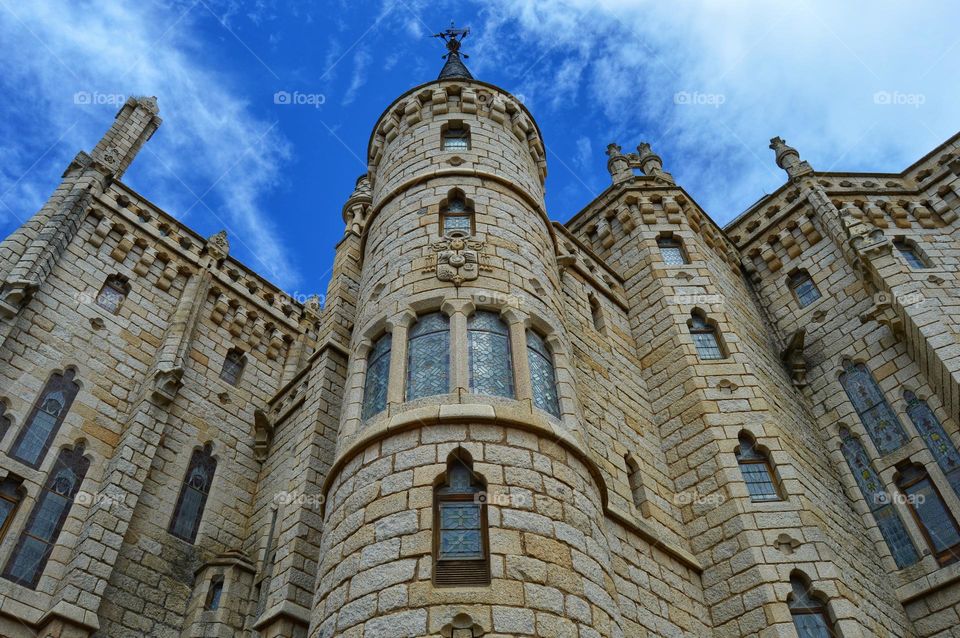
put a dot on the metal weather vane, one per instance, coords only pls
(453, 36)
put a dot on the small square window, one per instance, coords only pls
(456, 139)
(112, 294)
(910, 255)
(671, 251)
(805, 290)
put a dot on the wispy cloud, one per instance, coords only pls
(211, 142)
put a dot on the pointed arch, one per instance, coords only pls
(461, 553)
(808, 608)
(757, 470)
(44, 421)
(194, 490)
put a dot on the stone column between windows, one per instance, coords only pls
(458, 310)
(399, 328)
(517, 324)
(353, 394)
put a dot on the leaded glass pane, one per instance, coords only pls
(28, 558)
(193, 495)
(456, 139)
(216, 590)
(6, 507)
(44, 419)
(671, 252)
(491, 368)
(456, 224)
(378, 373)
(939, 443)
(759, 482)
(931, 510)
(910, 255)
(47, 517)
(812, 625)
(460, 534)
(428, 360)
(805, 290)
(707, 346)
(32, 445)
(881, 423)
(542, 377)
(890, 524)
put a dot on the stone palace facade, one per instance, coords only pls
(635, 423)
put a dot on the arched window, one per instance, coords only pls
(705, 338)
(193, 494)
(456, 218)
(884, 512)
(910, 254)
(491, 367)
(460, 545)
(672, 252)
(29, 557)
(214, 592)
(596, 313)
(756, 470)
(233, 365)
(809, 614)
(635, 480)
(115, 289)
(45, 418)
(878, 418)
(542, 376)
(11, 493)
(805, 291)
(378, 376)
(428, 357)
(936, 522)
(456, 136)
(938, 441)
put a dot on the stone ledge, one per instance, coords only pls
(929, 583)
(285, 609)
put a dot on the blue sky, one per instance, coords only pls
(853, 85)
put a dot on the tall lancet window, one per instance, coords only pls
(878, 418)
(884, 512)
(45, 418)
(937, 440)
(809, 614)
(53, 504)
(378, 374)
(756, 470)
(193, 494)
(460, 542)
(938, 525)
(543, 379)
(491, 368)
(428, 357)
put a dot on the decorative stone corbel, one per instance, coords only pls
(218, 247)
(883, 312)
(792, 356)
(166, 384)
(462, 626)
(14, 295)
(262, 435)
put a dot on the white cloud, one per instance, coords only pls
(808, 71)
(209, 139)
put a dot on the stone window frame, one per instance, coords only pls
(13, 491)
(797, 278)
(458, 310)
(468, 212)
(231, 372)
(906, 248)
(763, 457)
(117, 283)
(949, 555)
(845, 363)
(597, 314)
(215, 592)
(201, 455)
(638, 491)
(461, 572)
(712, 326)
(455, 125)
(824, 607)
(670, 239)
(65, 380)
(913, 397)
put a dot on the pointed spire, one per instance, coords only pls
(454, 67)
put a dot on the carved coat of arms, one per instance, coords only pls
(458, 259)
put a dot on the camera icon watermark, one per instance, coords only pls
(311, 501)
(516, 501)
(694, 497)
(885, 498)
(95, 98)
(696, 299)
(898, 98)
(497, 299)
(298, 98)
(696, 98)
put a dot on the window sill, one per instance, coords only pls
(933, 578)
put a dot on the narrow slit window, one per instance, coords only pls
(756, 470)
(543, 379)
(428, 357)
(705, 339)
(931, 513)
(938, 441)
(193, 495)
(461, 555)
(809, 615)
(115, 289)
(456, 217)
(879, 419)
(672, 252)
(378, 377)
(910, 254)
(214, 593)
(596, 313)
(878, 501)
(36, 543)
(635, 480)
(44, 421)
(803, 288)
(233, 365)
(491, 366)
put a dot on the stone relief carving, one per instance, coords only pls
(457, 259)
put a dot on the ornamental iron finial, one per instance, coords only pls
(454, 68)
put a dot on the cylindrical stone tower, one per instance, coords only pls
(460, 503)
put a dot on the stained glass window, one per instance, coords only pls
(45, 418)
(456, 218)
(803, 287)
(809, 615)
(233, 365)
(888, 520)
(460, 538)
(937, 440)
(671, 251)
(937, 523)
(491, 368)
(112, 294)
(705, 339)
(878, 418)
(193, 495)
(428, 357)
(29, 557)
(910, 255)
(11, 493)
(756, 471)
(542, 377)
(378, 376)
(456, 138)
